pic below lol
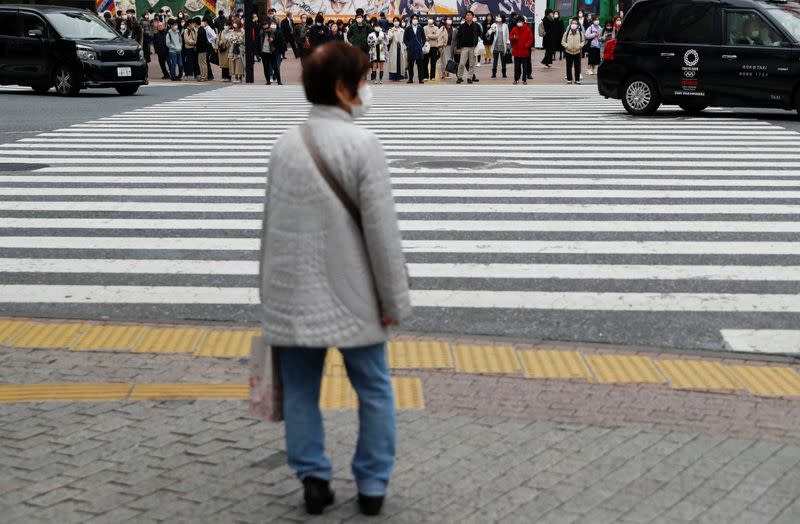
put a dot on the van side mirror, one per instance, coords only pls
(35, 33)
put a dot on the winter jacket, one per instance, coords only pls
(432, 35)
(414, 40)
(357, 36)
(592, 35)
(190, 37)
(521, 41)
(572, 41)
(323, 283)
(318, 35)
(160, 43)
(278, 42)
(203, 45)
(469, 35)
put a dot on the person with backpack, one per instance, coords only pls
(546, 31)
(573, 41)
(359, 31)
(190, 50)
(521, 39)
(592, 36)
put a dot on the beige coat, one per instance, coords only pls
(222, 48)
(572, 41)
(432, 35)
(395, 38)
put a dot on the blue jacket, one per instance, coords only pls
(414, 42)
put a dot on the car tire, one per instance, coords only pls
(66, 81)
(693, 109)
(127, 90)
(640, 96)
(41, 89)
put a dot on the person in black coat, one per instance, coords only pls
(272, 46)
(414, 39)
(551, 39)
(219, 22)
(287, 29)
(318, 33)
(160, 47)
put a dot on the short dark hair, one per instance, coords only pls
(329, 64)
(469, 13)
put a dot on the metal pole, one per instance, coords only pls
(249, 9)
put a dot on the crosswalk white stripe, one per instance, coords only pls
(417, 270)
(785, 341)
(420, 246)
(626, 226)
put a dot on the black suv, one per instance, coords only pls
(700, 53)
(66, 48)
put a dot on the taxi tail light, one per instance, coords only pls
(608, 52)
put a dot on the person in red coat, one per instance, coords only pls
(521, 38)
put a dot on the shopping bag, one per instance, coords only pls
(266, 386)
(451, 67)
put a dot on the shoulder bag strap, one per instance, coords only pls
(337, 189)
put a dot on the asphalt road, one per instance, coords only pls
(479, 198)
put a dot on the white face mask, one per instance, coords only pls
(596, 22)
(414, 22)
(359, 20)
(123, 27)
(755, 34)
(365, 94)
(449, 22)
(520, 24)
(574, 26)
(396, 23)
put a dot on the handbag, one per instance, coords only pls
(451, 67)
(266, 385)
(213, 57)
(426, 48)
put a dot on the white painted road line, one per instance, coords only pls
(762, 340)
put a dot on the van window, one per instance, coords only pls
(641, 23)
(691, 24)
(8, 23)
(749, 28)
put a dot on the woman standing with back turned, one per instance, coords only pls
(333, 274)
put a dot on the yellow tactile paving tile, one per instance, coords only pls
(771, 381)
(109, 338)
(697, 374)
(419, 354)
(337, 393)
(170, 340)
(554, 364)
(486, 359)
(229, 343)
(11, 329)
(62, 392)
(624, 369)
(334, 363)
(189, 391)
(408, 393)
(50, 335)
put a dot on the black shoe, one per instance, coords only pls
(370, 505)
(504, 75)
(494, 75)
(469, 80)
(317, 495)
(459, 81)
(165, 77)
(410, 82)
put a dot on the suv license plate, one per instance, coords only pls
(123, 71)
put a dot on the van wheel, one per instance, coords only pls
(41, 89)
(640, 96)
(693, 109)
(67, 83)
(127, 90)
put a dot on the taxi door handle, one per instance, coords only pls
(729, 57)
(667, 55)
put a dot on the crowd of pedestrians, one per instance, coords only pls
(398, 49)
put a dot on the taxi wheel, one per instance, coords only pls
(640, 96)
(693, 109)
(67, 82)
(127, 91)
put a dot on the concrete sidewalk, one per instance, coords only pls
(291, 73)
(485, 446)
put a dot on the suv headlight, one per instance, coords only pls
(86, 53)
(141, 54)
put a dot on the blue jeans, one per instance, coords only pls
(175, 61)
(368, 370)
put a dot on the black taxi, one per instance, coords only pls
(45, 46)
(700, 53)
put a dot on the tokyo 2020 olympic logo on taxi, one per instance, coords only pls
(691, 58)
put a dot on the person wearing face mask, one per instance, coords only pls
(236, 52)
(272, 48)
(446, 43)
(319, 33)
(521, 38)
(223, 46)
(336, 35)
(592, 36)
(414, 40)
(299, 36)
(161, 49)
(549, 32)
(573, 45)
(377, 52)
(332, 256)
(396, 52)
(501, 44)
(432, 34)
(190, 51)
(174, 45)
(467, 38)
(359, 31)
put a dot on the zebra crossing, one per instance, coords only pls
(541, 212)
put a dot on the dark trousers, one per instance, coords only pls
(520, 68)
(497, 56)
(573, 62)
(420, 64)
(529, 74)
(163, 60)
(548, 56)
(189, 60)
(431, 59)
(272, 67)
(208, 65)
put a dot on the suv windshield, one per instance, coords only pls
(82, 26)
(789, 17)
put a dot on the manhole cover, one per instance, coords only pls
(21, 167)
(453, 164)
